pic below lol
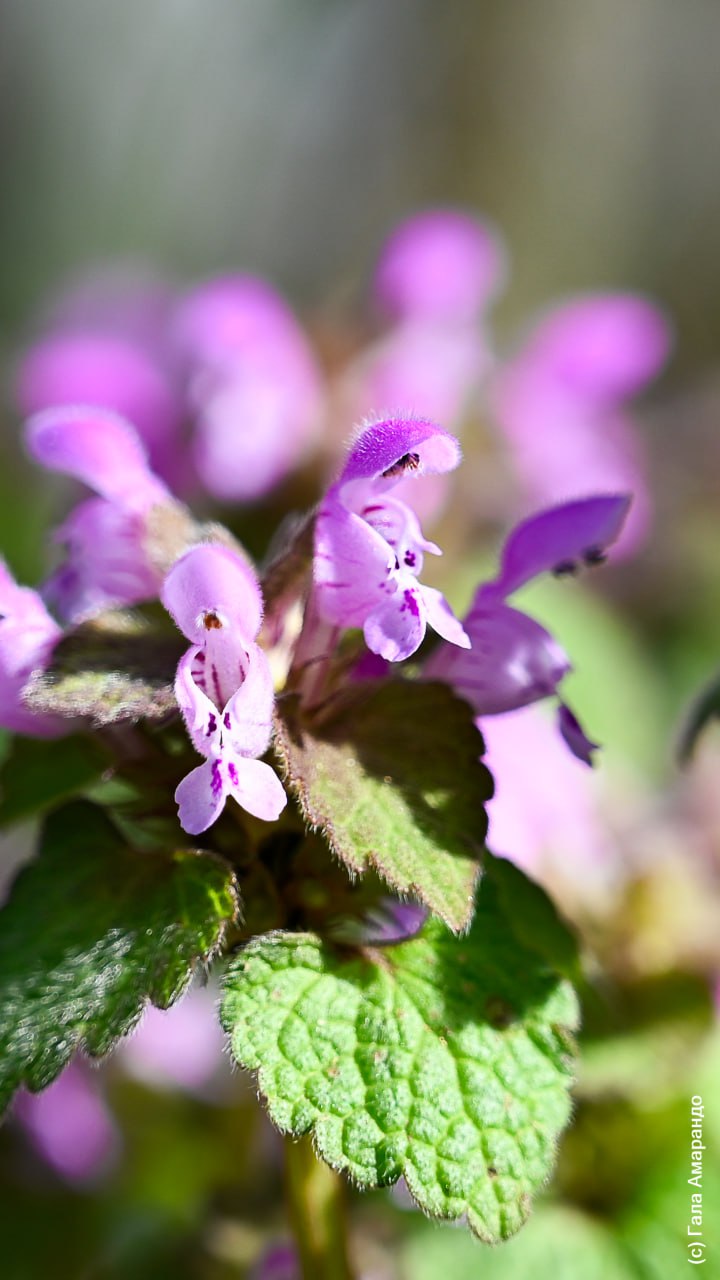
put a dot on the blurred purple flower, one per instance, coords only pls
(224, 687)
(252, 384)
(181, 1047)
(228, 357)
(394, 921)
(278, 1262)
(545, 808)
(105, 344)
(441, 265)
(27, 637)
(435, 279)
(70, 1126)
(369, 546)
(513, 660)
(107, 563)
(560, 401)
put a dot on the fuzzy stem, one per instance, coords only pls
(317, 1213)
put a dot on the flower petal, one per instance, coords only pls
(513, 661)
(201, 714)
(101, 449)
(442, 619)
(559, 539)
(574, 735)
(27, 637)
(351, 565)
(256, 787)
(201, 796)
(212, 586)
(386, 451)
(106, 564)
(247, 719)
(396, 628)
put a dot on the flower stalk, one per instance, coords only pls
(316, 1204)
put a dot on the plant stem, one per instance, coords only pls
(317, 1213)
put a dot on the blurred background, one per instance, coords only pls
(288, 139)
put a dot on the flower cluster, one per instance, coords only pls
(146, 395)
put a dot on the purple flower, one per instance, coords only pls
(70, 1126)
(560, 401)
(107, 563)
(252, 384)
(369, 546)
(513, 660)
(441, 265)
(546, 811)
(278, 1262)
(394, 921)
(105, 344)
(435, 279)
(27, 637)
(223, 687)
(181, 1047)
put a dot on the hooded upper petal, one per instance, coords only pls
(99, 448)
(212, 587)
(387, 451)
(558, 540)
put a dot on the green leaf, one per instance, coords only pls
(396, 783)
(37, 775)
(118, 667)
(443, 1059)
(559, 1243)
(91, 932)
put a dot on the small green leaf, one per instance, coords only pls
(397, 784)
(118, 667)
(447, 1060)
(37, 775)
(93, 930)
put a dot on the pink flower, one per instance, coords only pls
(223, 687)
(441, 265)
(107, 563)
(70, 1125)
(252, 384)
(512, 660)
(180, 1047)
(105, 344)
(27, 637)
(561, 401)
(369, 546)
(436, 277)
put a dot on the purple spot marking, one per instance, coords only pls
(410, 559)
(228, 725)
(216, 779)
(212, 725)
(233, 774)
(411, 603)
